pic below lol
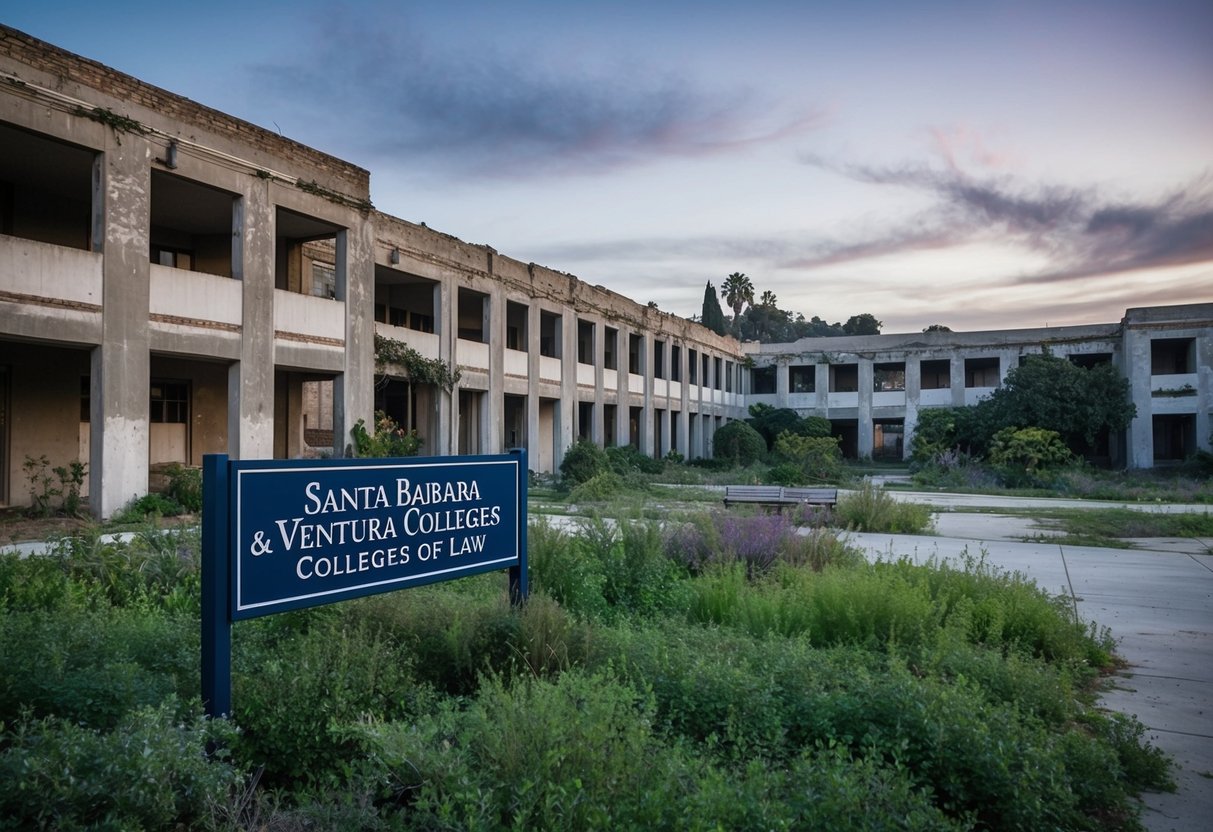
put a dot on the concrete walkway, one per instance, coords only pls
(1159, 606)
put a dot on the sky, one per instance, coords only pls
(982, 165)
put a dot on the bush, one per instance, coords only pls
(603, 486)
(1028, 450)
(739, 443)
(818, 457)
(785, 473)
(627, 459)
(583, 461)
(150, 772)
(389, 440)
(185, 486)
(149, 505)
(871, 509)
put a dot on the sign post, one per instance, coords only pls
(281, 535)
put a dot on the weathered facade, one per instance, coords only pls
(873, 387)
(176, 282)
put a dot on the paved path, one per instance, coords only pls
(1159, 605)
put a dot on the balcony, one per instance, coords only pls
(550, 369)
(310, 319)
(58, 285)
(195, 297)
(517, 364)
(426, 343)
(472, 354)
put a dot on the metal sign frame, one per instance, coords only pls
(279, 535)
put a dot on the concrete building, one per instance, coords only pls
(873, 387)
(176, 282)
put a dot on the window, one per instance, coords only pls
(675, 362)
(174, 258)
(324, 280)
(844, 378)
(1172, 356)
(169, 402)
(692, 367)
(802, 378)
(981, 372)
(936, 374)
(610, 346)
(888, 377)
(762, 380)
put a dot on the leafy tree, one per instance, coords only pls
(937, 328)
(738, 291)
(767, 299)
(713, 315)
(1056, 394)
(1046, 392)
(865, 324)
(739, 443)
(770, 422)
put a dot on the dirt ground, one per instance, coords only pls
(16, 526)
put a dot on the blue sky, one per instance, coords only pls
(981, 165)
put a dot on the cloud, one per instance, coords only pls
(1081, 232)
(392, 93)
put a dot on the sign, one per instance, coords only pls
(325, 531)
(282, 535)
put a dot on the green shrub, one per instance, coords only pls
(583, 461)
(185, 486)
(819, 458)
(785, 473)
(603, 486)
(627, 459)
(293, 697)
(149, 505)
(151, 771)
(871, 509)
(557, 568)
(389, 439)
(739, 443)
(1028, 450)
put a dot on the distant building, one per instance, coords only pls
(176, 282)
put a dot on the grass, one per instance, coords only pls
(1110, 527)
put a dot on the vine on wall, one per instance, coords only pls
(417, 368)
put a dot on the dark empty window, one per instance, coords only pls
(762, 380)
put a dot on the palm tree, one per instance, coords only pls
(738, 291)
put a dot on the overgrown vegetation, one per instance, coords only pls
(388, 440)
(721, 672)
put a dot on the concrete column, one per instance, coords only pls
(1137, 368)
(956, 370)
(821, 387)
(494, 412)
(120, 371)
(250, 381)
(623, 409)
(783, 384)
(684, 403)
(598, 356)
(647, 446)
(913, 396)
(864, 413)
(569, 395)
(354, 389)
(532, 397)
(446, 321)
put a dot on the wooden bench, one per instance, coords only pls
(778, 496)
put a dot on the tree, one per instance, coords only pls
(937, 328)
(1056, 394)
(865, 324)
(713, 316)
(738, 443)
(767, 299)
(738, 291)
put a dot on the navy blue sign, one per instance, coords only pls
(309, 533)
